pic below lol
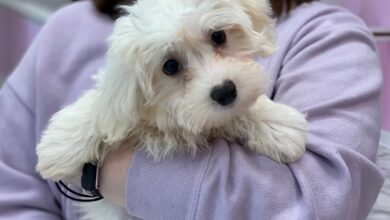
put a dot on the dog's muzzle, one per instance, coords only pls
(224, 94)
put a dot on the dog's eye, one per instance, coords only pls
(218, 37)
(171, 67)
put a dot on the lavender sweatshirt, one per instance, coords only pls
(326, 66)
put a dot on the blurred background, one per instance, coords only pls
(21, 20)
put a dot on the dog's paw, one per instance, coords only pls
(281, 143)
(55, 165)
(288, 150)
(64, 148)
(280, 132)
(69, 141)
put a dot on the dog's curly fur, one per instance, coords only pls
(135, 101)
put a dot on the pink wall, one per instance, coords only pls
(377, 15)
(16, 34)
(384, 48)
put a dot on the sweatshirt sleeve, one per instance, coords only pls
(23, 194)
(56, 70)
(330, 72)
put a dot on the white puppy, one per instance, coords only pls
(178, 74)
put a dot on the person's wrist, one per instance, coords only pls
(113, 175)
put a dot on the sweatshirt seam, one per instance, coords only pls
(198, 188)
(19, 98)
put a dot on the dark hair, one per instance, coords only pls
(284, 6)
(109, 6)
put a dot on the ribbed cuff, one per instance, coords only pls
(166, 189)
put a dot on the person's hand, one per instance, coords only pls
(113, 173)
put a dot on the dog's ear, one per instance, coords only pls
(116, 111)
(260, 11)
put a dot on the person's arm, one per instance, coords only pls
(23, 193)
(330, 72)
(57, 68)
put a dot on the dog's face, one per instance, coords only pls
(187, 63)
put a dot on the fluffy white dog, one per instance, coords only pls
(178, 74)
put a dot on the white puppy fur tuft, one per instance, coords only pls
(216, 92)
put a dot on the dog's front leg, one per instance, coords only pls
(275, 130)
(102, 210)
(69, 141)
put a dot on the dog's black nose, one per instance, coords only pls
(224, 94)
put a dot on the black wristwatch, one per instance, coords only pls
(90, 179)
(89, 183)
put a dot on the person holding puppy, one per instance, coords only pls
(335, 179)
